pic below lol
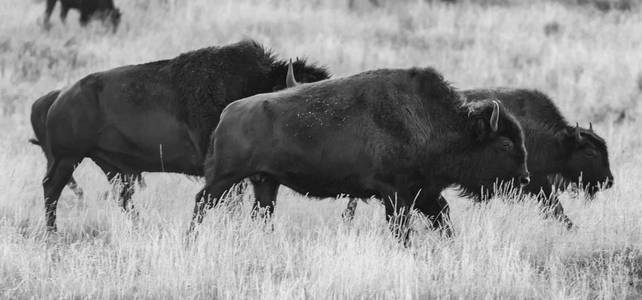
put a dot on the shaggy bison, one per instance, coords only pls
(398, 135)
(100, 9)
(154, 117)
(554, 147)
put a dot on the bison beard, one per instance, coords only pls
(399, 135)
(130, 113)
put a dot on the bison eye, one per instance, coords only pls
(507, 145)
(591, 153)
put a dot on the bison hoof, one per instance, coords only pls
(446, 231)
(347, 216)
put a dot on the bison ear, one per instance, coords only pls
(494, 117)
(290, 81)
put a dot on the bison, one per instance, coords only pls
(554, 147)
(105, 10)
(153, 117)
(399, 135)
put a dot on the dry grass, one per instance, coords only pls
(589, 61)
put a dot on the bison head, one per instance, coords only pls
(588, 161)
(286, 74)
(497, 151)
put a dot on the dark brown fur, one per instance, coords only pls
(393, 134)
(552, 142)
(154, 117)
(552, 145)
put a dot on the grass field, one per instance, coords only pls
(590, 62)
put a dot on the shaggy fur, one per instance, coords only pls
(209, 79)
(154, 117)
(393, 134)
(555, 156)
(551, 141)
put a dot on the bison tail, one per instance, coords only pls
(35, 141)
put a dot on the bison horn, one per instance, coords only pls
(290, 81)
(494, 118)
(578, 136)
(591, 126)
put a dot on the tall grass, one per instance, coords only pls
(590, 62)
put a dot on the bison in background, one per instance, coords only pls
(153, 117)
(399, 135)
(104, 10)
(578, 155)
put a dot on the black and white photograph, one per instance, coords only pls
(321, 149)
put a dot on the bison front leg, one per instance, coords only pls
(398, 217)
(64, 10)
(51, 4)
(436, 209)
(348, 213)
(555, 209)
(128, 182)
(265, 191)
(542, 188)
(85, 17)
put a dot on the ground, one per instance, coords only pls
(588, 60)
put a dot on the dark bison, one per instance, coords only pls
(154, 117)
(554, 147)
(398, 135)
(105, 10)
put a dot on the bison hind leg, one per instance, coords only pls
(74, 187)
(58, 175)
(348, 213)
(265, 191)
